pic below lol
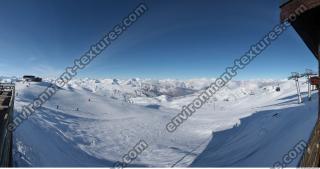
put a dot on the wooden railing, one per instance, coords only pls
(310, 157)
(7, 94)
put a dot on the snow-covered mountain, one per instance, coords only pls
(6, 79)
(247, 123)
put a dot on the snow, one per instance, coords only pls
(247, 123)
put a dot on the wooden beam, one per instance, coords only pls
(306, 23)
(294, 5)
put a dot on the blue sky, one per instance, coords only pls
(174, 39)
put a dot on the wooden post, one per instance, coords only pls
(318, 57)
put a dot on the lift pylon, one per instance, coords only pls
(295, 76)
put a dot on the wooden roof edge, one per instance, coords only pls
(294, 8)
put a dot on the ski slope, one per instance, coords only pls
(247, 124)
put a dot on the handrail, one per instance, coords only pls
(310, 158)
(7, 91)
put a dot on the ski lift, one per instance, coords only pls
(295, 76)
(278, 87)
(309, 73)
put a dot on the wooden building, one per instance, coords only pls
(30, 78)
(304, 16)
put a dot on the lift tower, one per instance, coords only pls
(295, 76)
(308, 74)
